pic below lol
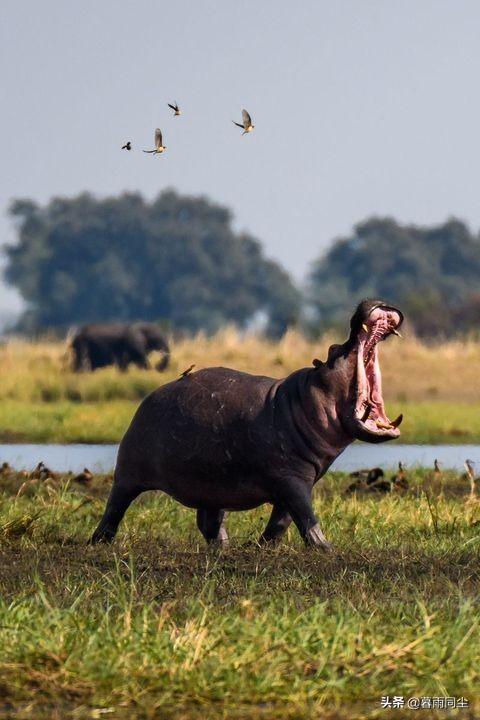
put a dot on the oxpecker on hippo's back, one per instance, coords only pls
(219, 440)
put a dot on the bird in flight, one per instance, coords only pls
(175, 108)
(127, 146)
(246, 123)
(159, 146)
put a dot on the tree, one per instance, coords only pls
(430, 273)
(176, 259)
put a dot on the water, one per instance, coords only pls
(101, 458)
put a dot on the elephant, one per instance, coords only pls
(98, 345)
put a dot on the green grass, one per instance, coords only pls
(158, 626)
(435, 421)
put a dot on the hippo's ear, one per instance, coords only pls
(334, 352)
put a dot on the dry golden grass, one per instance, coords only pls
(437, 387)
(411, 369)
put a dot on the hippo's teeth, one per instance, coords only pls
(398, 421)
(388, 426)
(368, 410)
(383, 425)
(365, 327)
(395, 332)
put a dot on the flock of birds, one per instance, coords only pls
(366, 481)
(373, 480)
(246, 125)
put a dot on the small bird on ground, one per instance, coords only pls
(246, 123)
(175, 108)
(366, 479)
(437, 470)
(187, 371)
(159, 146)
(42, 472)
(399, 480)
(84, 477)
(127, 146)
(470, 474)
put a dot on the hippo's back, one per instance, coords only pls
(212, 411)
(198, 430)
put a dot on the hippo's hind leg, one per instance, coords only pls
(210, 524)
(297, 497)
(279, 521)
(121, 495)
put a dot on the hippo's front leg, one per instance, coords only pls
(296, 496)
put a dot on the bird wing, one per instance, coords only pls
(158, 138)
(171, 106)
(239, 124)
(247, 120)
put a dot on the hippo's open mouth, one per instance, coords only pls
(370, 418)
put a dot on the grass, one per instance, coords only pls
(105, 422)
(436, 387)
(159, 626)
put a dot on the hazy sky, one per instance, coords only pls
(360, 107)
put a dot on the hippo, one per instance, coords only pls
(220, 440)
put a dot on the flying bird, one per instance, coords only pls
(175, 108)
(246, 123)
(127, 146)
(159, 146)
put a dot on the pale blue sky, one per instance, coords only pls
(360, 107)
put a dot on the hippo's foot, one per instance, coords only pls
(314, 537)
(102, 535)
(221, 541)
(210, 524)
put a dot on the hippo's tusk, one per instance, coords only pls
(395, 332)
(398, 421)
(365, 327)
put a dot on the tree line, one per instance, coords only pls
(177, 260)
